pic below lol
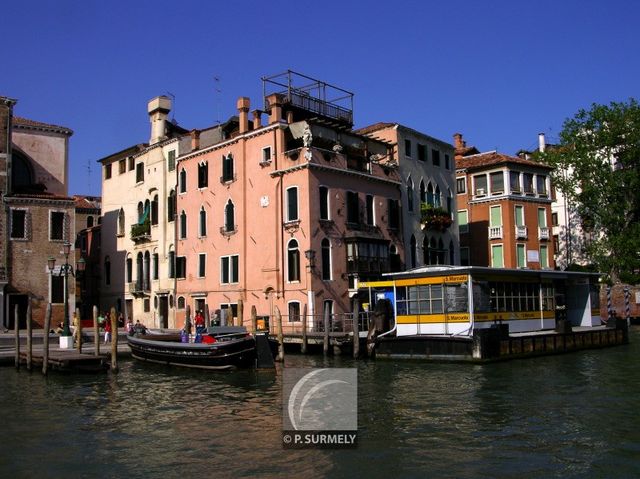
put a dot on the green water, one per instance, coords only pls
(573, 415)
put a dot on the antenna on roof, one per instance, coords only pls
(217, 92)
(173, 106)
(89, 174)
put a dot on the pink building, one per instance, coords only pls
(290, 214)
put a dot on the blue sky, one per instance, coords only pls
(499, 72)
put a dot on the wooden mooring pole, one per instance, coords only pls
(254, 318)
(16, 319)
(240, 312)
(325, 342)
(29, 337)
(45, 345)
(280, 335)
(96, 332)
(114, 341)
(356, 330)
(303, 348)
(79, 330)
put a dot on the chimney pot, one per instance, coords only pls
(243, 113)
(541, 142)
(195, 140)
(158, 109)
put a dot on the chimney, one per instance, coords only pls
(541, 142)
(243, 113)
(158, 109)
(274, 102)
(195, 140)
(257, 119)
(457, 141)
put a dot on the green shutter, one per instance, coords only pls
(496, 256)
(542, 217)
(544, 257)
(495, 218)
(520, 252)
(519, 215)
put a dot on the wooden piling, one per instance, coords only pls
(240, 312)
(254, 318)
(29, 337)
(45, 339)
(16, 319)
(78, 331)
(114, 341)
(96, 332)
(325, 338)
(187, 319)
(280, 335)
(356, 330)
(303, 347)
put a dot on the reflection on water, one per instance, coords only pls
(559, 416)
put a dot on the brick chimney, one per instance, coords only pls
(275, 108)
(458, 143)
(243, 112)
(257, 119)
(195, 140)
(158, 109)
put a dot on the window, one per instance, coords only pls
(544, 257)
(139, 172)
(181, 267)
(556, 244)
(154, 210)
(422, 152)
(371, 219)
(89, 221)
(122, 166)
(292, 203)
(497, 182)
(202, 265)
(541, 185)
(266, 154)
(132, 163)
(437, 197)
(430, 195)
(57, 289)
(18, 224)
(147, 271)
(521, 257)
(171, 206)
(229, 217)
(326, 259)
(107, 271)
(146, 305)
(407, 148)
(171, 160)
(435, 154)
(202, 224)
(129, 266)
(410, 194)
(527, 180)
(353, 207)
(480, 185)
(496, 256)
(56, 226)
(181, 302)
(542, 217)
(203, 175)
(394, 214)
(447, 162)
(229, 268)
(156, 266)
(293, 261)
(514, 182)
(107, 171)
(554, 219)
(294, 311)
(172, 264)
(227, 168)
(324, 203)
(495, 216)
(182, 181)
(423, 192)
(183, 225)
(464, 256)
(463, 221)
(519, 214)
(449, 200)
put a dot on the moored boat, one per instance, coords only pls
(223, 347)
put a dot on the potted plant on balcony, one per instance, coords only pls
(434, 217)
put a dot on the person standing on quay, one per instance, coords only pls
(107, 332)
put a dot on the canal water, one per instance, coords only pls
(573, 415)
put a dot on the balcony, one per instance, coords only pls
(543, 233)
(434, 218)
(141, 232)
(138, 288)
(495, 232)
(521, 232)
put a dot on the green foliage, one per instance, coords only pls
(435, 217)
(138, 230)
(597, 168)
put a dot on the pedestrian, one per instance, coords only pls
(129, 325)
(121, 320)
(199, 322)
(107, 332)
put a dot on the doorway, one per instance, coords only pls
(163, 311)
(22, 301)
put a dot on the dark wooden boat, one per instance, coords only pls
(222, 347)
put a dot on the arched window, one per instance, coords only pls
(146, 283)
(413, 251)
(293, 257)
(437, 197)
(449, 202)
(121, 222)
(326, 259)
(171, 267)
(89, 221)
(140, 211)
(202, 227)
(227, 168)
(182, 181)
(171, 206)
(155, 266)
(423, 192)
(129, 269)
(294, 311)
(394, 259)
(430, 198)
(154, 210)
(21, 171)
(183, 225)
(181, 302)
(107, 271)
(139, 271)
(324, 203)
(229, 217)
(410, 194)
(203, 174)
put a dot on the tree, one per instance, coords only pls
(597, 167)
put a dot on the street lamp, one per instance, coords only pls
(65, 270)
